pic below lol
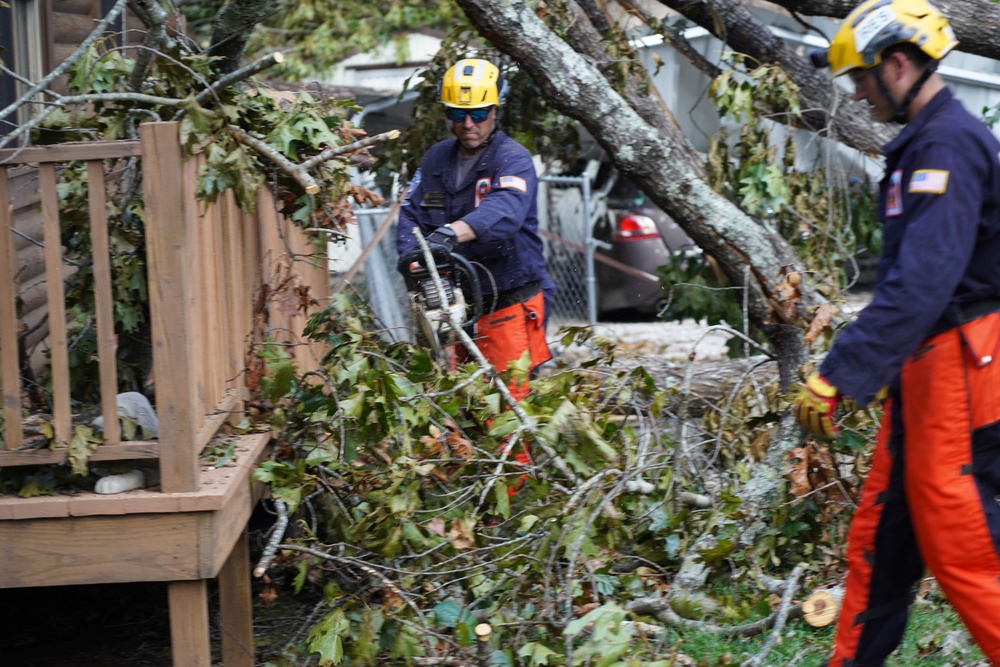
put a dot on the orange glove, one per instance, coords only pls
(814, 403)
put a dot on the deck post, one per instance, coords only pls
(236, 606)
(189, 637)
(171, 307)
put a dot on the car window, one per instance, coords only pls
(625, 194)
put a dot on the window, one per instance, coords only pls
(21, 38)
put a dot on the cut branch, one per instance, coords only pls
(330, 153)
(300, 175)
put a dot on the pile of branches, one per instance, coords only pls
(400, 495)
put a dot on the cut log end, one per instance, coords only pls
(820, 609)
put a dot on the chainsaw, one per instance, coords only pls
(433, 310)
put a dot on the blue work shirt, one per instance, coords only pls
(941, 227)
(497, 198)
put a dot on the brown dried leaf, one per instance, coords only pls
(798, 472)
(436, 526)
(353, 133)
(460, 536)
(820, 321)
(392, 601)
(381, 450)
(270, 592)
(459, 446)
(759, 445)
(789, 293)
(365, 196)
(432, 442)
(440, 475)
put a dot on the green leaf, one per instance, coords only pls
(284, 375)
(326, 637)
(446, 613)
(463, 634)
(502, 500)
(528, 522)
(501, 658)
(80, 446)
(535, 653)
(300, 577)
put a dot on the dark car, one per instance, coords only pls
(640, 237)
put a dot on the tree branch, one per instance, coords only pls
(300, 175)
(154, 18)
(657, 163)
(826, 106)
(976, 22)
(232, 29)
(349, 148)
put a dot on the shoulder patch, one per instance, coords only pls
(482, 189)
(931, 181)
(515, 182)
(413, 186)
(894, 195)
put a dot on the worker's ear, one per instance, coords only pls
(895, 64)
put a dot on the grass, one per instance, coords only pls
(935, 637)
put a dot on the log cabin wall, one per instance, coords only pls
(69, 22)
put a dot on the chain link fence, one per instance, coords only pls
(565, 209)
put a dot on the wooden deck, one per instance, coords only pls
(185, 539)
(206, 265)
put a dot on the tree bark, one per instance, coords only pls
(976, 22)
(231, 30)
(658, 163)
(824, 103)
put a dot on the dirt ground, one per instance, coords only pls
(127, 625)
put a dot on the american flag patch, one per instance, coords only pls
(933, 181)
(515, 182)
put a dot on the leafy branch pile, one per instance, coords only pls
(416, 526)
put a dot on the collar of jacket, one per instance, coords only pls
(447, 167)
(914, 126)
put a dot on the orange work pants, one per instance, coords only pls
(930, 499)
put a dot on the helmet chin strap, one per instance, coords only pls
(899, 110)
(489, 139)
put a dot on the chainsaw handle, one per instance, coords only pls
(475, 300)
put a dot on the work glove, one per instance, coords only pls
(442, 238)
(814, 403)
(441, 242)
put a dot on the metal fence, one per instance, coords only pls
(565, 212)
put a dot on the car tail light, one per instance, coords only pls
(634, 227)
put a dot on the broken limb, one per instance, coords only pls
(277, 535)
(300, 175)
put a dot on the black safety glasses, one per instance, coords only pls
(458, 115)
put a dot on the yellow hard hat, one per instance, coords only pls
(473, 84)
(875, 25)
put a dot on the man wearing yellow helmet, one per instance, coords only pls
(476, 195)
(931, 335)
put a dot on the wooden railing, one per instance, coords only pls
(205, 263)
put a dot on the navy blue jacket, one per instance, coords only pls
(498, 198)
(940, 210)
